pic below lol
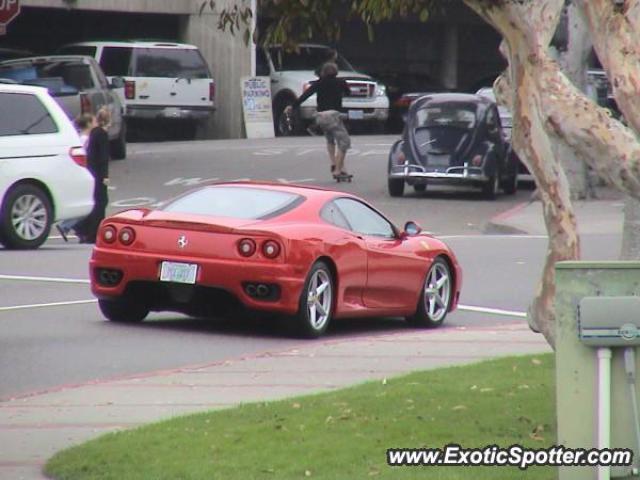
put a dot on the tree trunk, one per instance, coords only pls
(574, 63)
(527, 28)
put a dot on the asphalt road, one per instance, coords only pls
(44, 345)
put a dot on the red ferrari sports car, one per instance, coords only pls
(307, 253)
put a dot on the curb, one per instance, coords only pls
(499, 224)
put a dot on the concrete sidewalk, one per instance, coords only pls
(35, 427)
(602, 216)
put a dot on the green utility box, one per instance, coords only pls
(577, 363)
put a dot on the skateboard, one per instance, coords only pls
(343, 178)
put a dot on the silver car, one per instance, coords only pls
(78, 85)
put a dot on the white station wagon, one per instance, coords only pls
(43, 174)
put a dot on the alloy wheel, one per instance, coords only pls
(437, 292)
(29, 217)
(319, 297)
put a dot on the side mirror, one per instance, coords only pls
(411, 229)
(117, 82)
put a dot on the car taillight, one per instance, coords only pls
(129, 89)
(127, 236)
(212, 91)
(85, 103)
(399, 157)
(78, 155)
(270, 249)
(246, 247)
(476, 161)
(109, 234)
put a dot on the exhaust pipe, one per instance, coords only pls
(262, 290)
(251, 290)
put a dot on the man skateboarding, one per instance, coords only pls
(330, 90)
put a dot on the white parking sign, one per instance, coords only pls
(256, 105)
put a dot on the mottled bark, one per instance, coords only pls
(527, 28)
(615, 33)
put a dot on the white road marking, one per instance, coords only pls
(493, 311)
(301, 180)
(484, 236)
(44, 305)
(133, 202)
(190, 182)
(44, 279)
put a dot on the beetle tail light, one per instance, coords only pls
(476, 161)
(129, 89)
(85, 103)
(78, 155)
(212, 91)
(271, 249)
(246, 247)
(399, 157)
(109, 234)
(127, 236)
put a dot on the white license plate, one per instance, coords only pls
(178, 272)
(172, 112)
(356, 114)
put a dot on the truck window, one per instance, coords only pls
(24, 114)
(116, 61)
(170, 62)
(78, 50)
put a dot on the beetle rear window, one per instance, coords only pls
(235, 202)
(454, 114)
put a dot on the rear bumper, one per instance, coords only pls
(367, 114)
(458, 174)
(161, 112)
(227, 276)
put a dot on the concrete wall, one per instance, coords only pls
(229, 59)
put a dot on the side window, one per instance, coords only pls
(115, 61)
(24, 114)
(364, 220)
(332, 214)
(262, 64)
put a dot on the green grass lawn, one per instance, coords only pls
(342, 434)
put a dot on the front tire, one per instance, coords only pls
(435, 298)
(25, 218)
(123, 311)
(395, 186)
(491, 186)
(316, 302)
(285, 124)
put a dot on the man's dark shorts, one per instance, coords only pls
(334, 130)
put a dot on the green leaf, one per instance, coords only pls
(424, 15)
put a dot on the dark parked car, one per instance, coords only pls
(452, 138)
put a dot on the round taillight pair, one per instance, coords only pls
(246, 247)
(476, 161)
(126, 235)
(270, 249)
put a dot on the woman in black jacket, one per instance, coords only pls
(98, 165)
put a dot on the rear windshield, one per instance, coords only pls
(235, 202)
(72, 73)
(24, 114)
(170, 62)
(453, 114)
(307, 58)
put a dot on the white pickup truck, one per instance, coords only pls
(291, 73)
(77, 84)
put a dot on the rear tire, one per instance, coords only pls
(118, 147)
(435, 297)
(25, 217)
(123, 311)
(285, 125)
(490, 187)
(316, 303)
(396, 187)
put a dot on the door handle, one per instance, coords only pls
(144, 97)
(273, 80)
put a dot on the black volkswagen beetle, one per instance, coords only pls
(452, 138)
